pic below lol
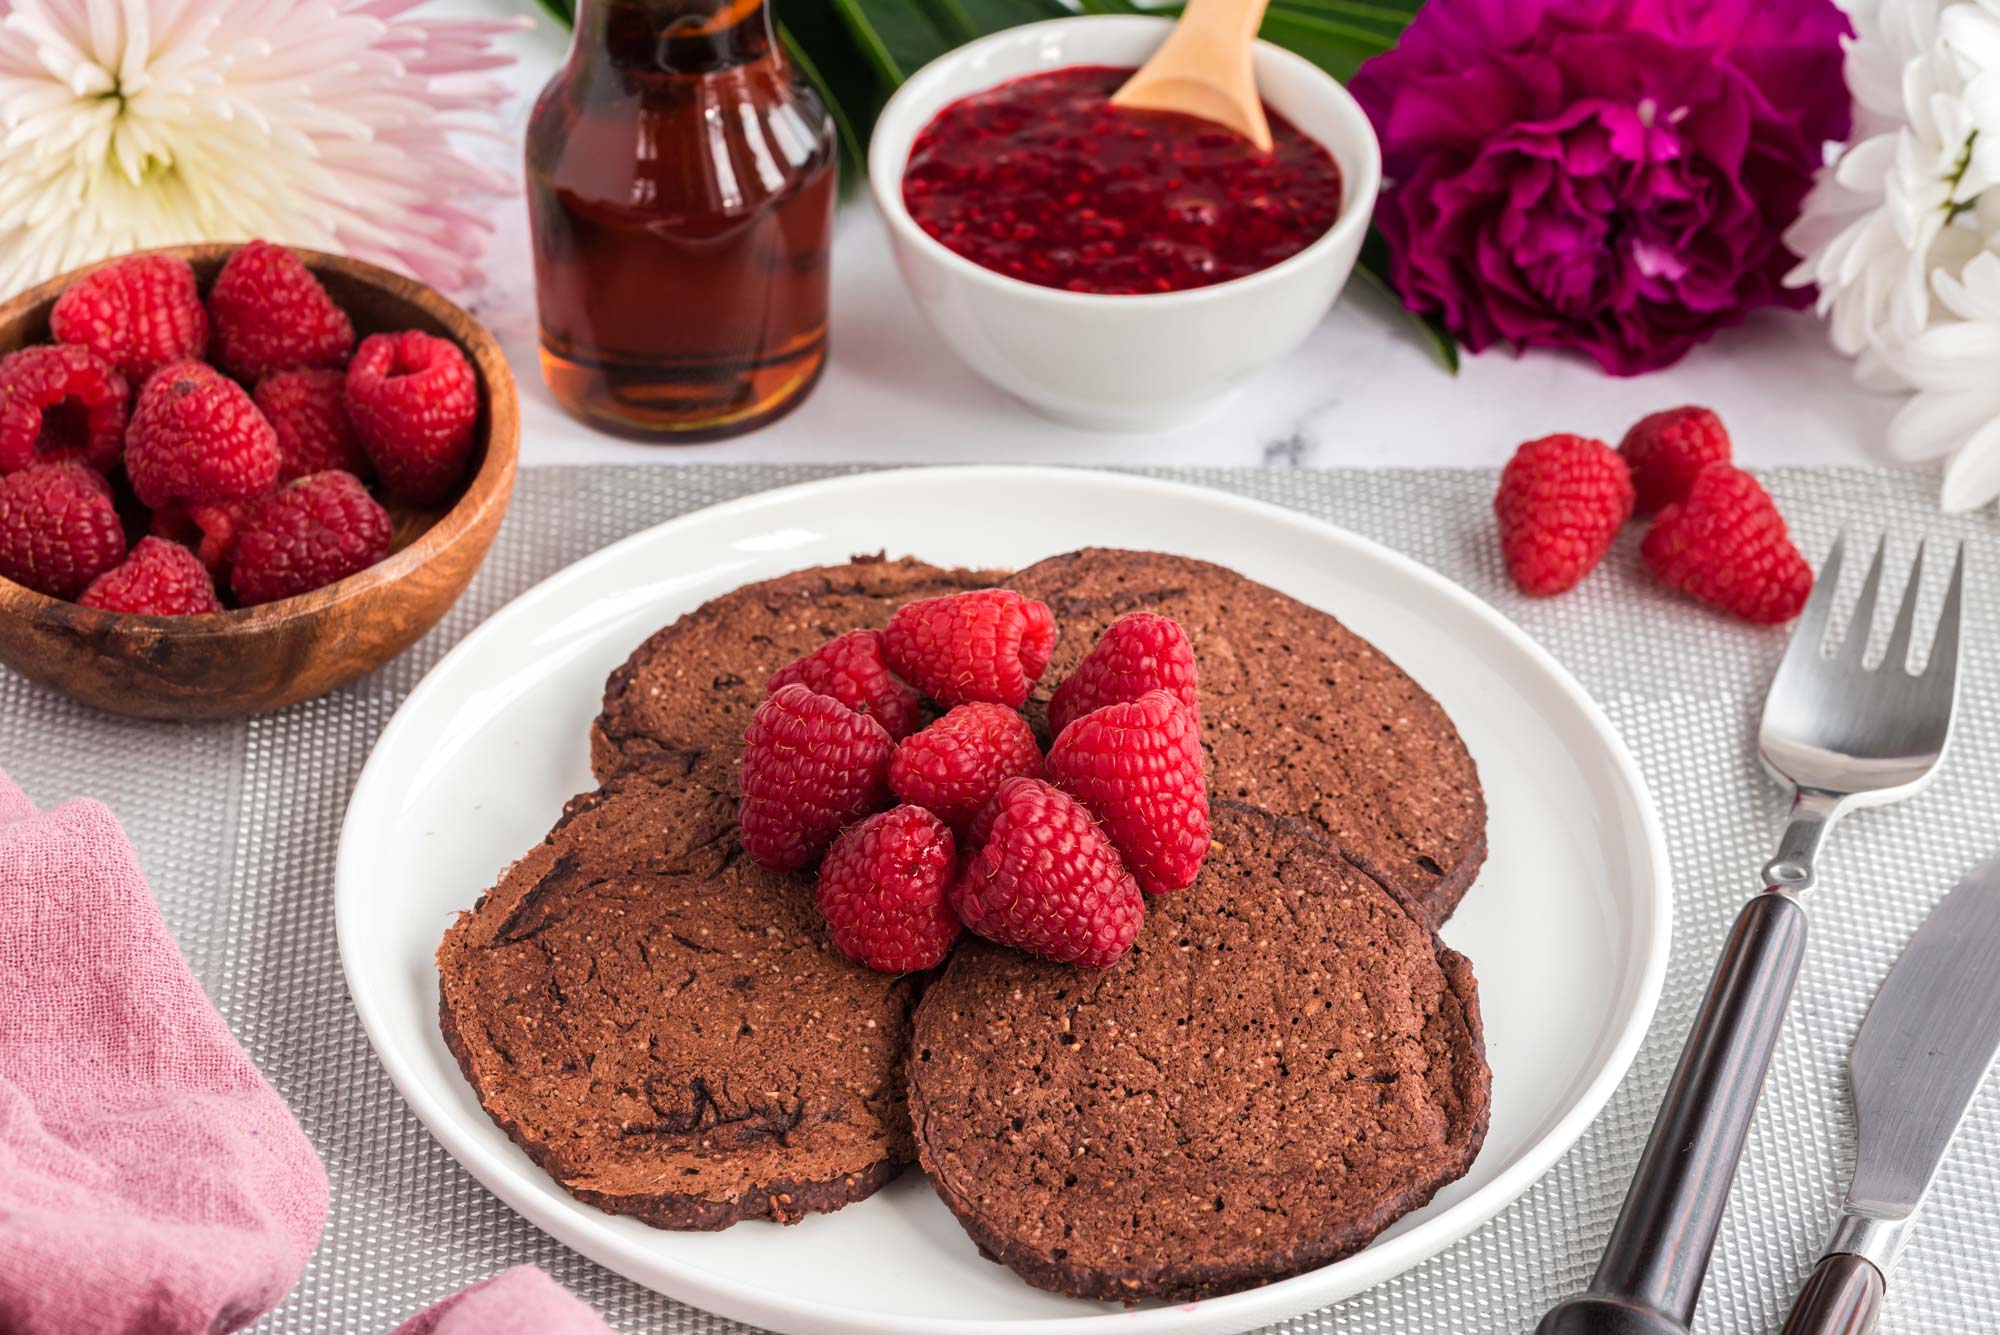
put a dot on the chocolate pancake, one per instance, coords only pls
(666, 1028)
(1285, 1062)
(1298, 713)
(692, 686)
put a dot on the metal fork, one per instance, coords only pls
(1840, 735)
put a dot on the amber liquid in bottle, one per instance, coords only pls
(681, 196)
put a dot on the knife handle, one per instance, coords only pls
(1843, 1297)
(1653, 1266)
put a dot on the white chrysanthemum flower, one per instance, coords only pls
(127, 124)
(1955, 368)
(1888, 35)
(1902, 201)
(1972, 33)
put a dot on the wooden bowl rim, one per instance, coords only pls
(491, 482)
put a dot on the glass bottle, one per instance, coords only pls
(681, 196)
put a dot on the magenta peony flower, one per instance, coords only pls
(1606, 175)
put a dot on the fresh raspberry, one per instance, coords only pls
(987, 644)
(209, 529)
(978, 831)
(1048, 882)
(810, 765)
(59, 403)
(954, 767)
(58, 528)
(1666, 450)
(1726, 545)
(196, 436)
(132, 516)
(220, 524)
(414, 399)
(159, 579)
(307, 409)
(852, 670)
(270, 314)
(1137, 766)
(171, 521)
(882, 889)
(321, 528)
(1561, 502)
(138, 313)
(1137, 653)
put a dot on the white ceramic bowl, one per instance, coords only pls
(1121, 363)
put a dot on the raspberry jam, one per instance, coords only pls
(1042, 179)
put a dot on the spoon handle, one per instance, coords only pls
(1206, 68)
(1233, 22)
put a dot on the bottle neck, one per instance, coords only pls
(675, 36)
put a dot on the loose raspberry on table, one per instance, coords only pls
(954, 767)
(852, 670)
(882, 888)
(1137, 766)
(1666, 450)
(810, 766)
(985, 644)
(58, 528)
(269, 313)
(197, 437)
(159, 579)
(138, 313)
(1047, 881)
(307, 534)
(1726, 545)
(414, 400)
(1561, 502)
(307, 409)
(1137, 653)
(60, 403)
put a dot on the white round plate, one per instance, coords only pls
(1567, 926)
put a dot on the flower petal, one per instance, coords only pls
(1975, 293)
(1935, 424)
(1973, 478)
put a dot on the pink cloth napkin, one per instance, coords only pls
(523, 1301)
(151, 1183)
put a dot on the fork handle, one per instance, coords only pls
(1653, 1266)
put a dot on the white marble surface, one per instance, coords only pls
(1362, 391)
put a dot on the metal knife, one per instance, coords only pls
(1927, 1043)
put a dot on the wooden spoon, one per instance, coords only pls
(1204, 69)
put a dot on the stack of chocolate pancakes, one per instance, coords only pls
(1286, 1062)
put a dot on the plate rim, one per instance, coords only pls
(1377, 1263)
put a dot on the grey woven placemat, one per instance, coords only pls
(236, 825)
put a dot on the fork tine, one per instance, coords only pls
(1809, 635)
(1862, 623)
(1943, 665)
(1897, 655)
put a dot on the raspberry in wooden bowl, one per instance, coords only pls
(368, 372)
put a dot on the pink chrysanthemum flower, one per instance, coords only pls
(127, 124)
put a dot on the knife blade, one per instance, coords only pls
(1928, 1042)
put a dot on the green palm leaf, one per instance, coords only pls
(858, 52)
(854, 164)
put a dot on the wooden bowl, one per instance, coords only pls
(262, 658)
